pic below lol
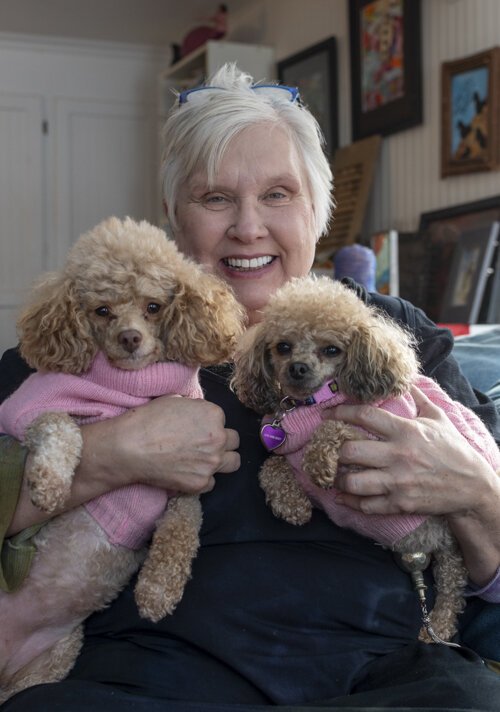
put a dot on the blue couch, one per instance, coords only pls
(479, 359)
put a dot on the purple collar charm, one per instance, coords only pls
(272, 436)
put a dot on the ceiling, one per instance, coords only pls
(158, 22)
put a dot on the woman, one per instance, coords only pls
(275, 614)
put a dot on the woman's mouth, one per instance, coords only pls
(243, 264)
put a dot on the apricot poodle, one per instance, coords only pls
(319, 345)
(127, 319)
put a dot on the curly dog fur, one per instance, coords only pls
(315, 331)
(126, 291)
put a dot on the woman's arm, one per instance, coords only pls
(174, 443)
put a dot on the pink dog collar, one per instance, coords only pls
(272, 434)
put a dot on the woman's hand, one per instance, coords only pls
(423, 466)
(172, 442)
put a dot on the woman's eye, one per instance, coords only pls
(283, 347)
(153, 308)
(331, 350)
(278, 195)
(103, 311)
(215, 200)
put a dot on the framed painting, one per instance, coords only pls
(470, 131)
(439, 233)
(385, 246)
(471, 261)
(386, 72)
(314, 72)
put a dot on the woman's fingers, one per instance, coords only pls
(230, 458)
(425, 407)
(379, 422)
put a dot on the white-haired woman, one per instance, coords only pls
(274, 614)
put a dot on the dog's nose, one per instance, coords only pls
(298, 370)
(130, 339)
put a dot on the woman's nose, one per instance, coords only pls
(248, 223)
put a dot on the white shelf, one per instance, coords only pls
(204, 61)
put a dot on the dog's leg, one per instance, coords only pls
(450, 575)
(52, 665)
(75, 572)
(55, 443)
(283, 493)
(167, 568)
(434, 537)
(321, 455)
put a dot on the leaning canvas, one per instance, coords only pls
(385, 246)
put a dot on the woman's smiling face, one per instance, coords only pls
(255, 226)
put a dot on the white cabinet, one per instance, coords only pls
(77, 143)
(200, 64)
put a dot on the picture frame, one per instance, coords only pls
(471, 262)
(439, 233)
(470, 131)
(385, 247)
(354, 169)
(386, 66)
(314, 71)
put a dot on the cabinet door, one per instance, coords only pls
(22, 237)
(104, 165)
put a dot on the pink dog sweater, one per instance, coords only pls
(127, 515)
(300, 423)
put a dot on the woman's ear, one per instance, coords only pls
(54, 332)
(253, 379)
(203, 323)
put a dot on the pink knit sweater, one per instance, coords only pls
(128, 514)
(300, 423)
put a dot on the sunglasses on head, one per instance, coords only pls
(279, 91)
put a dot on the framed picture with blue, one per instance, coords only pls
(472, 259)
(459, 250)
(386, 71)
(314, 71)
(470, 130)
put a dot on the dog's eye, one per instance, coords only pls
(153, 308)
(331, 350)
(102, 311)
(283, 347)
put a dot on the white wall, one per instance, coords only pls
(407, 181)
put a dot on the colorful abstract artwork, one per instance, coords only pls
(382, 60)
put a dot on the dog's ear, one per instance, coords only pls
(54, 332)
(203, 322)
(253, 379)
(379, 362)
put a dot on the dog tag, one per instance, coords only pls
(272, 436)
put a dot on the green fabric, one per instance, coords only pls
(18, 551)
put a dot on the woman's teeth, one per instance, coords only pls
(246, 264)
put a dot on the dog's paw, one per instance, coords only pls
(157, 599)
(55, 443)
(284, 495)
(292, 511)
(321, 456)
(46, 495)
(321, 470)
